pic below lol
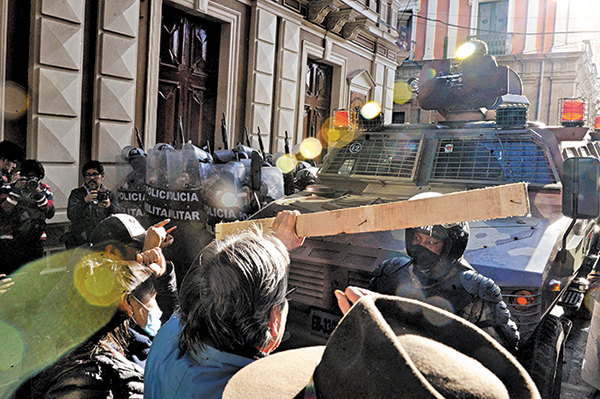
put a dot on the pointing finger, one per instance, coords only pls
(162, 223)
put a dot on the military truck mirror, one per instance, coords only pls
(581, 188)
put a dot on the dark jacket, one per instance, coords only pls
(85, 217)
(23, 216)
(80, 374)
(96, 369)
(453, 286)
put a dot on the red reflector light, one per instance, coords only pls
(597, 125)
(341, 119)
(572, 110)
(522, 300)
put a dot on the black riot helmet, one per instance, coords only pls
(455, 236)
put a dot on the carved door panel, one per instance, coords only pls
(189, 56)
(317, 99)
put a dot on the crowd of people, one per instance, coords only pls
(213, 335)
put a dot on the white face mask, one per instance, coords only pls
(153, 323)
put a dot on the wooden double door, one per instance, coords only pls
(317, 99)
(188, 75)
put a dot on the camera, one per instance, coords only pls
(102, 196)
(32, 183)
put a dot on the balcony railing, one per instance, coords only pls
(498, 43)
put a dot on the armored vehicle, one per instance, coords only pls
(540, 261)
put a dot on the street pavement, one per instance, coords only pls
(573, 387)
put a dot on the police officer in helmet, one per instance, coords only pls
(438, 274)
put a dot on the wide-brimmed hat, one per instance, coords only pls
(390, 347)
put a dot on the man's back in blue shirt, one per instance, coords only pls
(202, 375)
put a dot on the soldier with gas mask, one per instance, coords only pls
(438, 274)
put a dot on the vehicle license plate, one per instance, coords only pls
(322, 324)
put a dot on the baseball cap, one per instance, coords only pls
(119, 227)
(129, 152)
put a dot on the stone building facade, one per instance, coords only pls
(89, 74)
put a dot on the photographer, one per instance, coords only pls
(10, 155)
(89, 204)
(25, 205)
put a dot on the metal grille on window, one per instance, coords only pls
(376, 156)
(492, 159)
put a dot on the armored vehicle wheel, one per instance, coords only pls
(543, 357)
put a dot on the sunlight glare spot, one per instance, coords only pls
(98, 288)
(287, 163)
(370, 110)
(402, 92)
(228, 199)
(310, 148)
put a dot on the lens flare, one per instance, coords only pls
(434, 317)
(589, 298)
(51, 309)
(11, 347)
(370, 110)
(408, 291)
(95, 281)
(287, 163)
(430, 73)
(465, 50)
(16, 100)
(333, 135)
(310, 148)
(398, 235)
(402, 92)
(229, 199)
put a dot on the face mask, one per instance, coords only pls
(424, 258)
(153, 323)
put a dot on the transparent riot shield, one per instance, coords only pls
(225, 196)
(164, 166)
(196, 164)
(174, 179)
(131, 176)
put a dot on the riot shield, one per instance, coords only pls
(131, 175)
(173, 191)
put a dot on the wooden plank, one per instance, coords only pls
(486, 203)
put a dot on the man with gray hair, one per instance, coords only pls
(233, 310)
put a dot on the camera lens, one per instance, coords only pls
(32, 183)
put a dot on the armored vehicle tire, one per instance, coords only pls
(543, 356)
